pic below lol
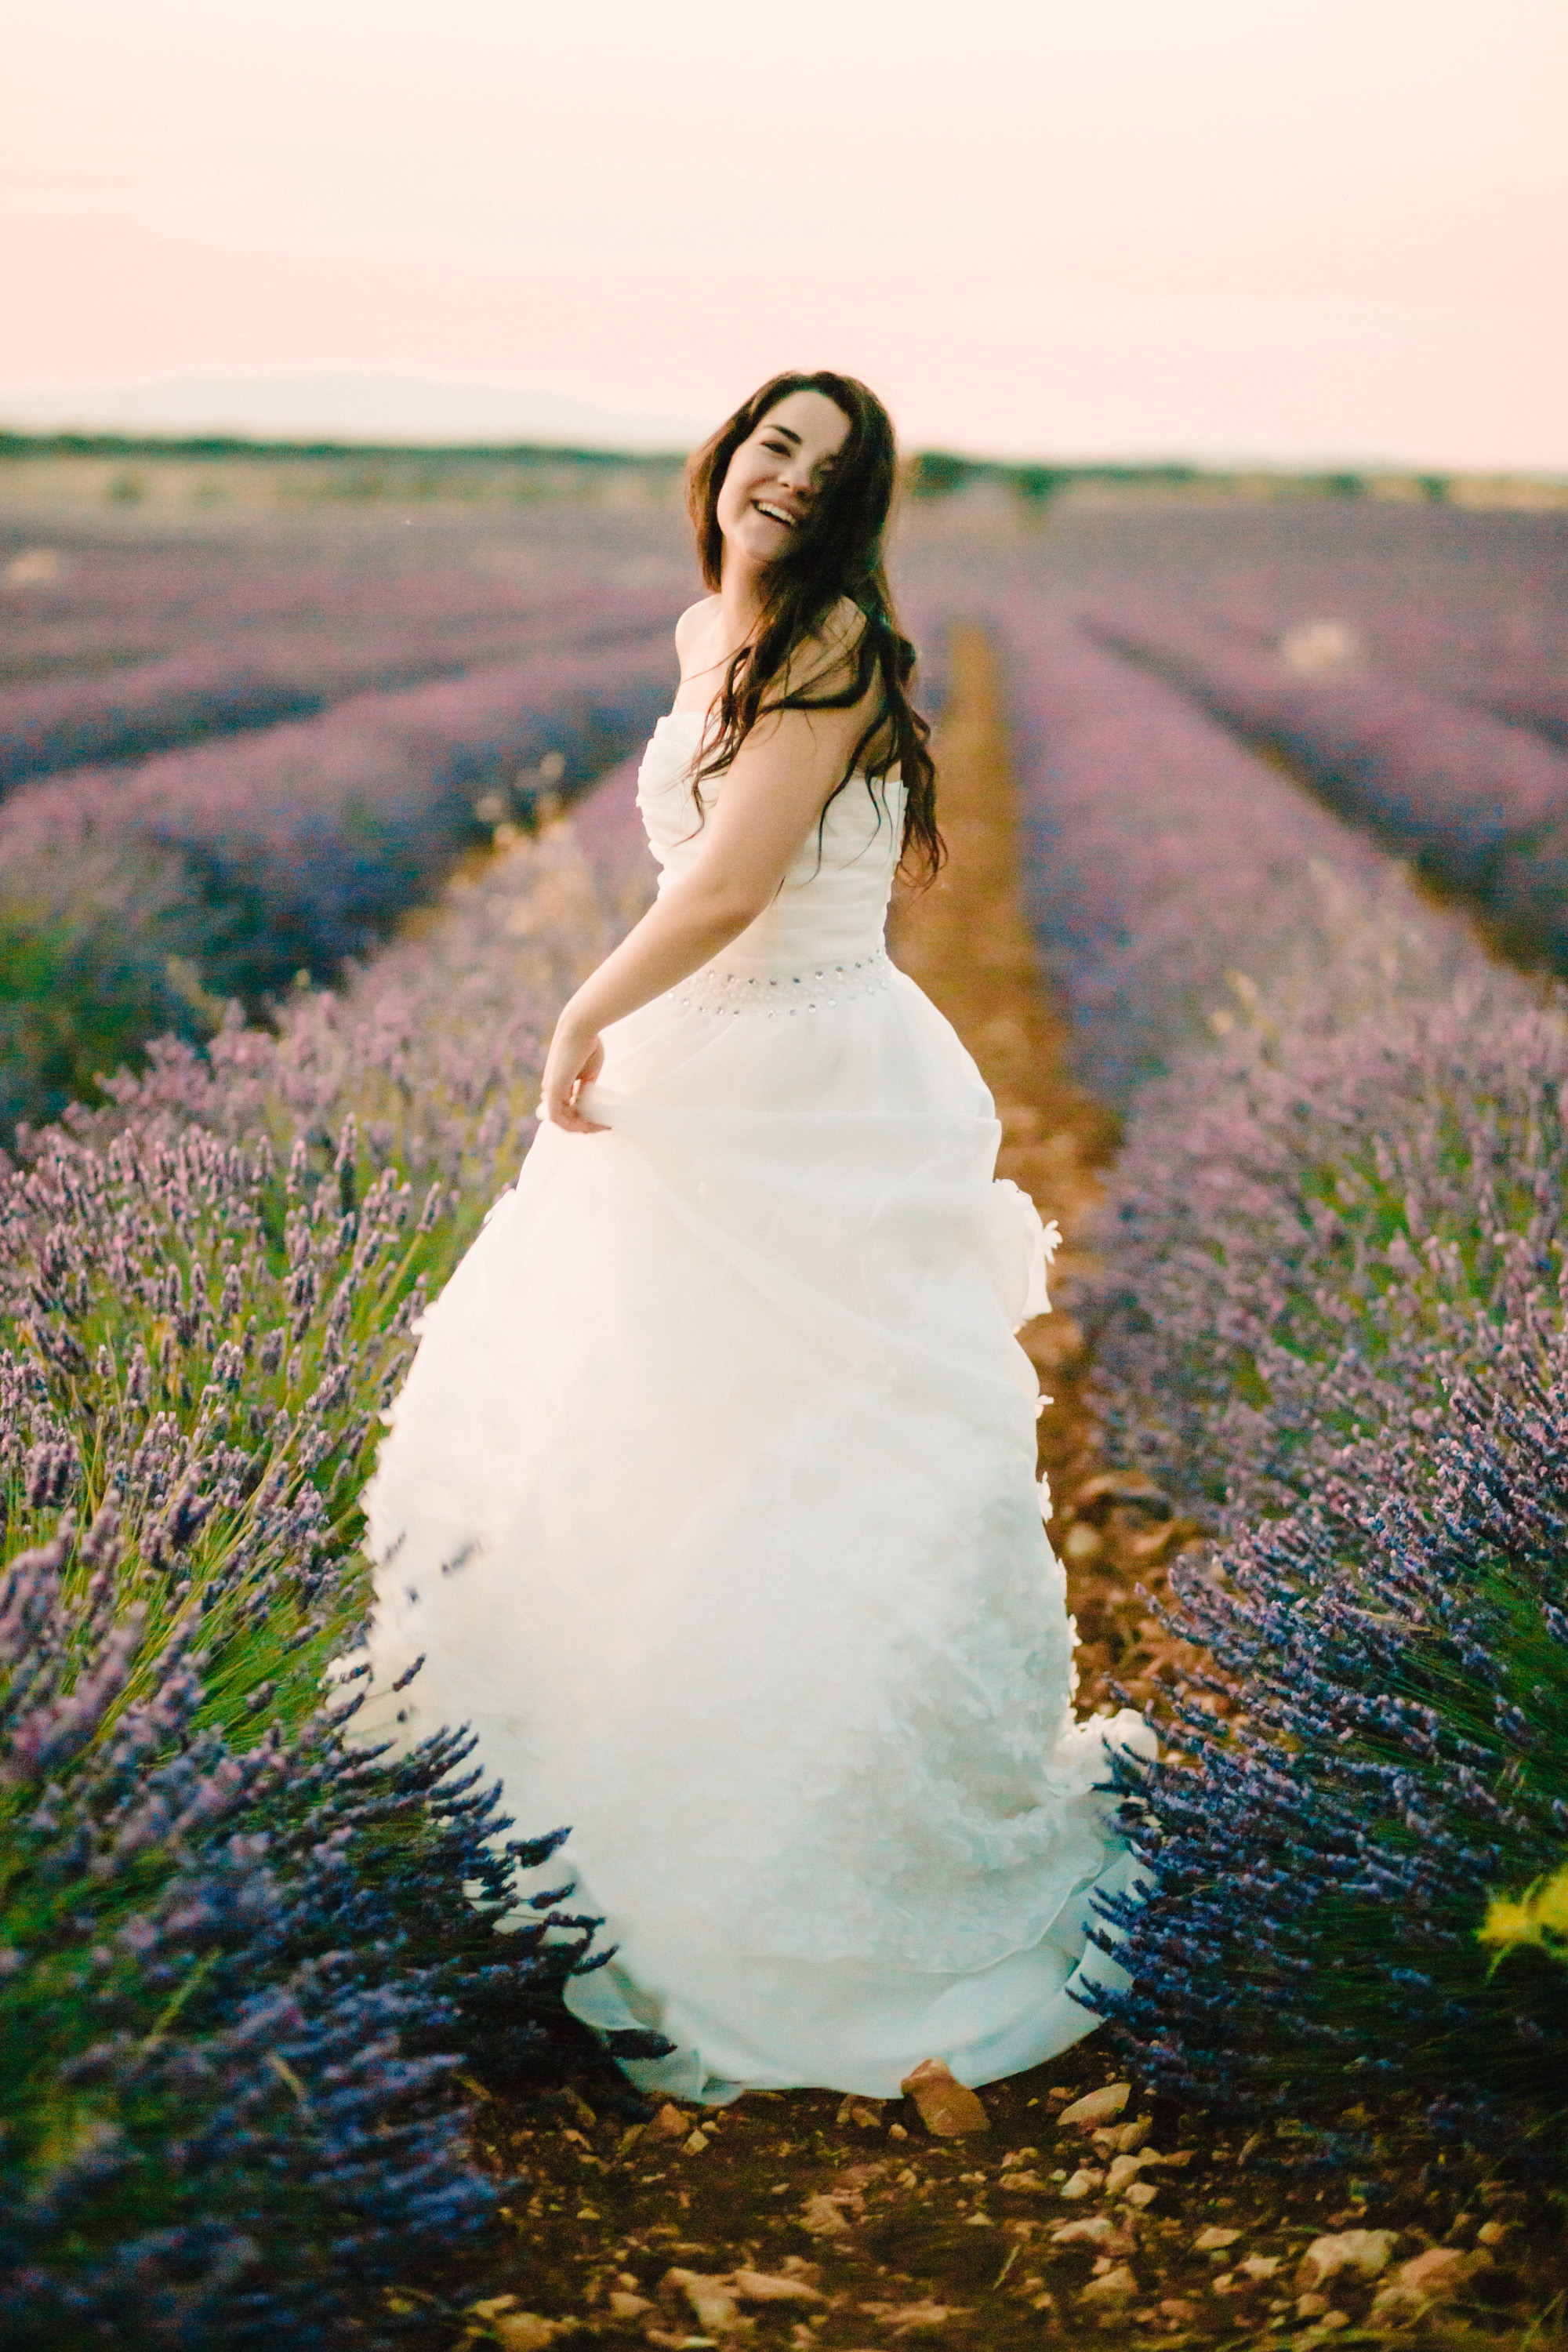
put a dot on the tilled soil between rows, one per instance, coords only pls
(966, 941)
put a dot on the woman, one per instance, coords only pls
(710, 1502)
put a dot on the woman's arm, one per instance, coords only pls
(772, 797)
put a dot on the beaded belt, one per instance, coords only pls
(793, 991)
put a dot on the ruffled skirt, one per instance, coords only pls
(710, 1505)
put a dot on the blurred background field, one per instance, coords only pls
(317, 798)
(256, 700)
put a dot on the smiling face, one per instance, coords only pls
(777, 474)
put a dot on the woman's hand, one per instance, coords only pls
(576, 1057)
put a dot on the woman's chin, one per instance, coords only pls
(757, 548)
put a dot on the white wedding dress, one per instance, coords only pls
(709, 1504)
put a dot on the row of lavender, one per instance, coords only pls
(1331, 1320)
(246, 681)
(244, 1964)
(138, 900)
(1467, 607)
(113, 651)
(1481, 806)
(1471, 608)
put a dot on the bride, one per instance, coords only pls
(710, 1502)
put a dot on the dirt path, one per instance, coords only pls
(791, 2222)
(967, 943)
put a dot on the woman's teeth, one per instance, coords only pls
(774, 514)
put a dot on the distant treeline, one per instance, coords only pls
(938, 473)
(378, 469)
(152, 446)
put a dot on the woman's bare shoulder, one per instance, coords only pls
(841, 630)
(828, 658)
(694, 621)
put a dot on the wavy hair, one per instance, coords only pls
(836, 553)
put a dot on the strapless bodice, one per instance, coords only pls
(833, 905)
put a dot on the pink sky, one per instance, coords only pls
(1195, 227)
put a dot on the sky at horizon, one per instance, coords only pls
(1213, 230)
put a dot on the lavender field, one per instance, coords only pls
(248, 2011)
(231, 759)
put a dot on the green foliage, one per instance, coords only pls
(934, 474)
(79, 994)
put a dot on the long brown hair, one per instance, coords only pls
(836, 553)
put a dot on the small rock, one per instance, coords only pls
(1083, 1543)
(1131, 2136)
(767, 2287)
(1030, 2181)
(524, 2331)
(1364, 2251)
(1491, 2234)
(695, 2144)
(1084, 2232)
(900, 2317)
(823, 2218)
(1108, 1489)
(518, 2331)
(1330, 2324)
(1214, 2241)
(1092, 2230)
(1142, 2193)
(712, 2299)
(1310, 2307)
(1117, 2287)
(1097, 2107)
(1124, 2170)
(1396, 2306)
(629, 2306)
(1261, 2266)
(944, 2105)
(864, 2112)
(671, 2122)
(1082, 2183)
(1176, 2313)
(1440, 2271)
